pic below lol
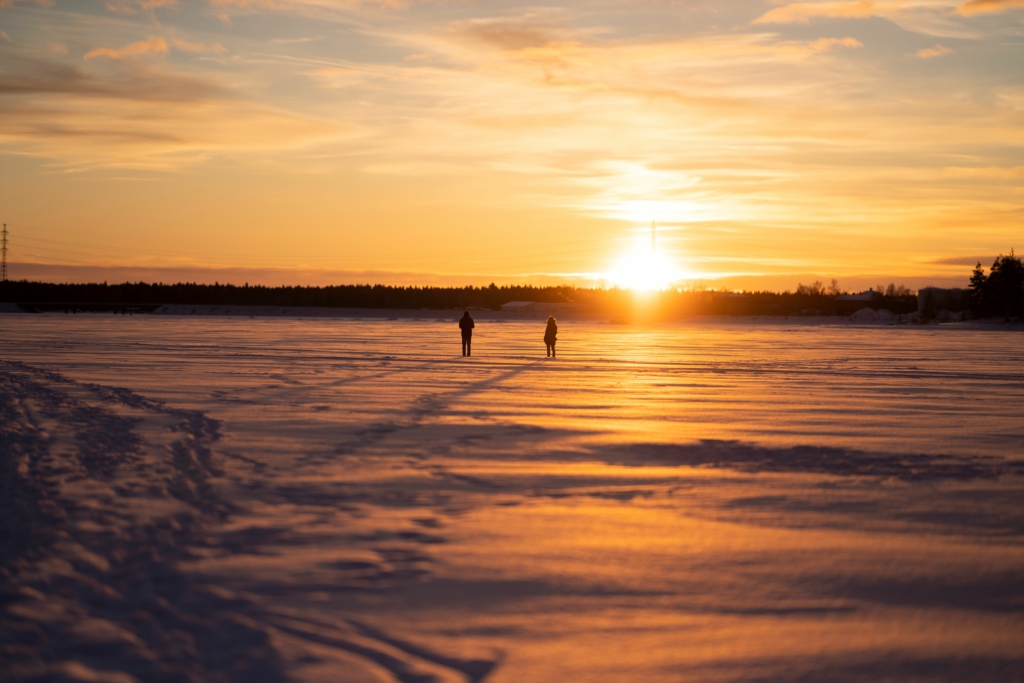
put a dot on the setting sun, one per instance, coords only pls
(645, 269)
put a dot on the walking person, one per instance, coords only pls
(551, 335)
(466, 324)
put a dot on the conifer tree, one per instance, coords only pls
(1004, 288)
(977, 289)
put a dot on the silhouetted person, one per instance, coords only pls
(466, 325)
(550, 335)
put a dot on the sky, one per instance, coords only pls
(458, 142)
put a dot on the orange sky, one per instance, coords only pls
(317, 141)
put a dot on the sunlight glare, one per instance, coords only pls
(645, 268)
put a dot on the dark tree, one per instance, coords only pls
(977, 289)
(1004, 288)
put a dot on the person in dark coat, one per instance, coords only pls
(466, 324)
(550, 335)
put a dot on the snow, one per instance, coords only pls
(270, 499)
(865, 315)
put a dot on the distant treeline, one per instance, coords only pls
(1001, 292)
(808, 300)
(335, 296)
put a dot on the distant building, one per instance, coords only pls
(518, 306)
(932, 301)
(863, 296)
(533, 308)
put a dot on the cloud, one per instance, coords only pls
(931, 52)
(799, 49)
(803, 12)
(961, 260)
(523, 41)
(129, 6)
(20, 76)
(301, 6)
(930, 17)
(292, 41)
(152, 45)
(1011, 173)
(825, 44)
(985, 6)
(510, 36)
(186, 46)
(43, 3)
(338, 77)
(83, 132)
(135, 116)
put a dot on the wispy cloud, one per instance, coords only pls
(984, 6)
(90, 133)
(301, 6)
(513, 35)
(295, 41)
(27, 76)
(134, 115)
(987, 172)
(152, 45)
(826, 44)
(932, 52)
(186, 46)
(133, 6)
(929, 17)
(962, 260)
(9, 3)
(803, 12)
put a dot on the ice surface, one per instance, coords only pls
(226, 499)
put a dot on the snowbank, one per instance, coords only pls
(865, 315)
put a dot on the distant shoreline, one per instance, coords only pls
(383, 314)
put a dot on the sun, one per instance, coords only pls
(645, 268)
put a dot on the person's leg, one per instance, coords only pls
(552, 350)
(463, 346)
(469, 346)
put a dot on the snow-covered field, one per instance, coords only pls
(230, 499)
